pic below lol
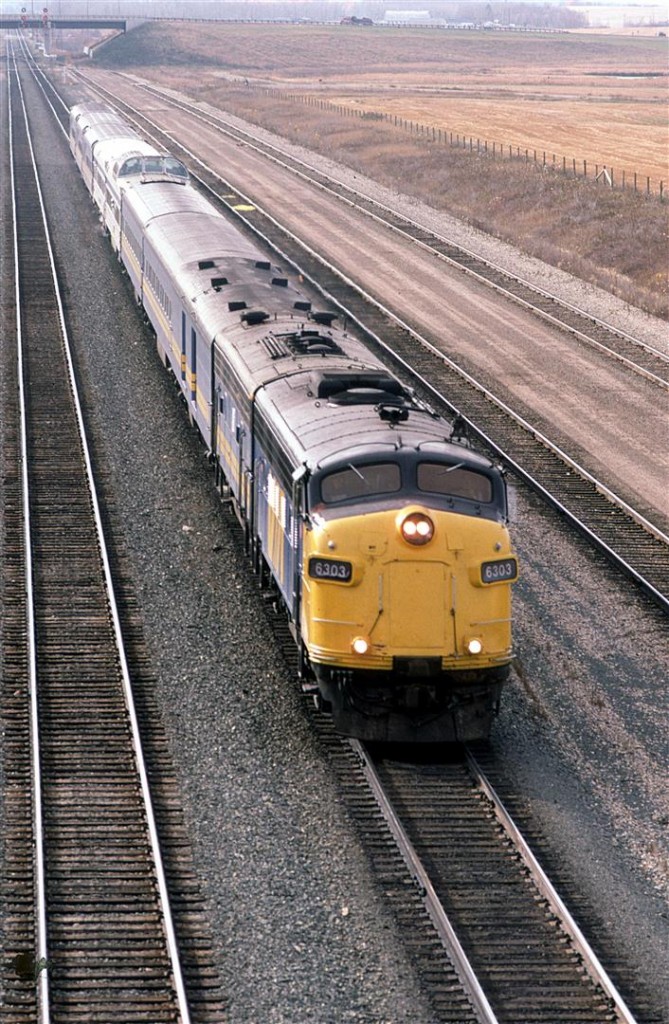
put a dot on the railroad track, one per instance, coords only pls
(88, 927)
(492, 938)
(554, 985)
(639, 356)
(624, 535)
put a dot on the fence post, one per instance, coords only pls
(585, 169)
(661, 191)
(648, 186)
(635, 181)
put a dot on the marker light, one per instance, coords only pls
(360, 645)
(474, 646)
(417, 528)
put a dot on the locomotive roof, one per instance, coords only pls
(322, 387)
(328, 397)
(355, 424)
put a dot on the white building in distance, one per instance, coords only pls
(407, 17)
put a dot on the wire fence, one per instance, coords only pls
(576, 168)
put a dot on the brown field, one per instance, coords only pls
(572, 95)
(593, 97)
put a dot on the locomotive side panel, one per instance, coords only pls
(131, 252)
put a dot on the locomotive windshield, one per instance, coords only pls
(153, 165)
(175, 167)
(361, 481)
(455, 485)
(455, 481)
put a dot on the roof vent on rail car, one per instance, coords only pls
(206, 264)
(312, 343)
(378, 389)
(323, 317)
(254, 316)
(300, 343)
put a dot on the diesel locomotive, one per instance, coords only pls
(385, 536)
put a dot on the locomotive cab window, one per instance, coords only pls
(175, 167)
(454, 481)
(131, 166)
(153, 165)
(361, 482)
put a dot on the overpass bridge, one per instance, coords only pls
(44, 20)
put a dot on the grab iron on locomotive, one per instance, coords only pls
(384, 536)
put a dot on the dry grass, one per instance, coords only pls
(543, 92)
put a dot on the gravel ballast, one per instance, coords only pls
(303, 934)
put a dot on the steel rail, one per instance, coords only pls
(550, 894)
(42, 80)
(42, 951)
(168, 924)
(427, 892)
(267, 150)
(438, 915)
(435, 909)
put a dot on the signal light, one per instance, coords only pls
(417, 528)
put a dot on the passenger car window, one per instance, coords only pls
(361, 481)
(455, 481)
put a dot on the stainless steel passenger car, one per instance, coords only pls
(386, 540)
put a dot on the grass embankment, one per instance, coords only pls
(616, 240)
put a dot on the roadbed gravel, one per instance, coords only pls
(302, 932)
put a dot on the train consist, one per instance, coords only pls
(384, 536)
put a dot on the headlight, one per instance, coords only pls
(360, 645)
(417, 528)
(474, 645)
